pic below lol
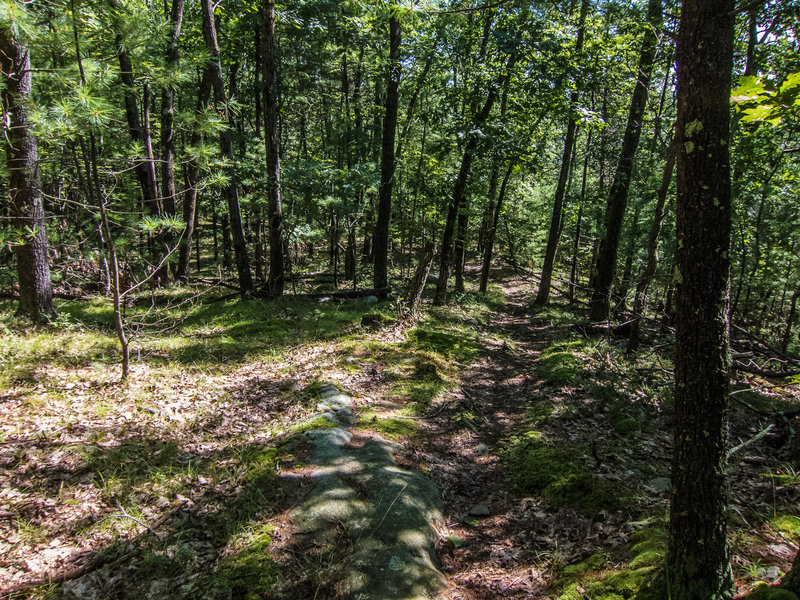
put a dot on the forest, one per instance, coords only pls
(359, 299)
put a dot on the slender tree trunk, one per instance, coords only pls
(24, 185)
(618, 197)
(492, 233)
(380, 277)
(277, 268)
(543, 294)
(459, 189)
(226, 147)
(652, 248)
(697, 558)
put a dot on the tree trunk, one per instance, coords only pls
(697, 559)
(277, 268)
(492, 233)
(24, 185)
(381, 236)
(168, 131)
(618, 197)
(543, 294)
(226, 148)
(459, 189)
(417, 283)
(652, 248)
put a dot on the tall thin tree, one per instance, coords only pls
(381, 237)
(271, 140)
(697, 558)
(606, 267)
(24, 185)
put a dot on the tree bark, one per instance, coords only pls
(381, 236)
(600, 302)
(277, 268)
(543, 295)
(226, 147)
(697, 559)
(24, 184)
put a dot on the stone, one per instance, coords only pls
(660, 484)
(480, 510)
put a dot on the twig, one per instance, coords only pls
(752, 440)
(124, 515)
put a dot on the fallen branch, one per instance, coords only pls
(752, 440)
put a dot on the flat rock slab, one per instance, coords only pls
(388, 512)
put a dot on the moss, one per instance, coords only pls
(788, 525)
(320, 422)
(392, 427)
(766, 592)
(558, 364)
(457, 345)
(559, 472)
(251, 573)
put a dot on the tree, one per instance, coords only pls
(226, 148)
(25, 189)
(569, 141)
(618, 196)
(271, 139)
(381, 238)
(697, 561)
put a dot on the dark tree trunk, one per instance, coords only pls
(491, 234)
(145, 173)
(697, 558)
(277, 268)
(24, 185)
(226, 148)
(168, 129)
(381, 236)
(543, 294)
(618, 196)
(460, 187)
(652, 249)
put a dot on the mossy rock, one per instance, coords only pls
(426, 369)
(765, 592)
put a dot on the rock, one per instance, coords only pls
(481, 449)
(391, 512)
(371, 300)
(659, 485)
(480, 510)
(772, 573)
(372, 321)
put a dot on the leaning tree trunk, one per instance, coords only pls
(543, 295)
(226, 147)
(24, 185)
(697, 557)
(600, 302)
(381, 236)
(277, 268)
(491, 234)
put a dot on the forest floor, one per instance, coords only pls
(551, 450)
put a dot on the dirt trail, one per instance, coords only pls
(462, 445)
